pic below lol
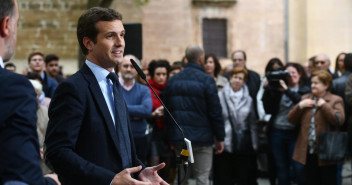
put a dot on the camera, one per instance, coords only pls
(275, 76)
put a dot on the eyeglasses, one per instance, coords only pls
(237, 59)
(319, 62)
(37, 60)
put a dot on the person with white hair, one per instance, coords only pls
(322, 62)
(42, 123)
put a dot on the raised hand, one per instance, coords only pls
(124, 177)
(151, 176)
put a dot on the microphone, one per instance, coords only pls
(186, 152)
(139, 71)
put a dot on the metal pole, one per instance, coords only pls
(286, 29)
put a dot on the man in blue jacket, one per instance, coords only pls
(192, 98)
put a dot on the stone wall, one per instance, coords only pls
(169, 26)
(256, 26)
(49, 26)
(319, 26)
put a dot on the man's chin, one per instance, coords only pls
(128, 77)
(8, 56)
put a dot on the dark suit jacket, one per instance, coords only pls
(19, 147)
(81, 141)
(49, 85)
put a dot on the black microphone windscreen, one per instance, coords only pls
(138, 69)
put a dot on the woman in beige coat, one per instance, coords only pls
(323, 105)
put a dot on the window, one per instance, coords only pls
(215, 37)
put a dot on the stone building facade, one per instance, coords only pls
(169, 26)
(49, 26)
(255, 26)
(319, 26)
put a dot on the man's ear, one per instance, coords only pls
(5, 27)
(201, 59)
(88, 43)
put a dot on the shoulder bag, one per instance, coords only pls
(333, 145)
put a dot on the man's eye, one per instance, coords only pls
(110, 36)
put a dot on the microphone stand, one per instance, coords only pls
(186, 152)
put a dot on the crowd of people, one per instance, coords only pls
(104, 124)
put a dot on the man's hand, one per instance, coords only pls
(283, 86)
(124, 177)
(41, 153)
(54, 177)
(151, 176)
(158, 112)
(219, 147)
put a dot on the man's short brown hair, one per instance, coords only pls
(34, 54)
(86, 26)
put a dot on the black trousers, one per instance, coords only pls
(319, 175)
(230, 169)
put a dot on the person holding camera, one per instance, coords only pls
(266, 165)
(283, 90)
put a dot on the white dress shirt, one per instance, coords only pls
(1, 62)
(101, 74)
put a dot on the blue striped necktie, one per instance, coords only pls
(124, 143)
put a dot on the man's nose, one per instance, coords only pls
(119, 40)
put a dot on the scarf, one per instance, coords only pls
(157, 88)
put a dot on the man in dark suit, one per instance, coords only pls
(89, 140)
(19, 147)
(239, 59)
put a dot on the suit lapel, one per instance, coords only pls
(100, 102)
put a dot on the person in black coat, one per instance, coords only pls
(19, 146)
(192, 98)
(89, 139)
(239, 59)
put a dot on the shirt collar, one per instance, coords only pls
(99, 72)
(1, 62)
(236, 95)
(125, 86)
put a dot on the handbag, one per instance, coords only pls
(263, 141)
(241, 138)
(333, 145)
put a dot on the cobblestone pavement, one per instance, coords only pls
(346, 176)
